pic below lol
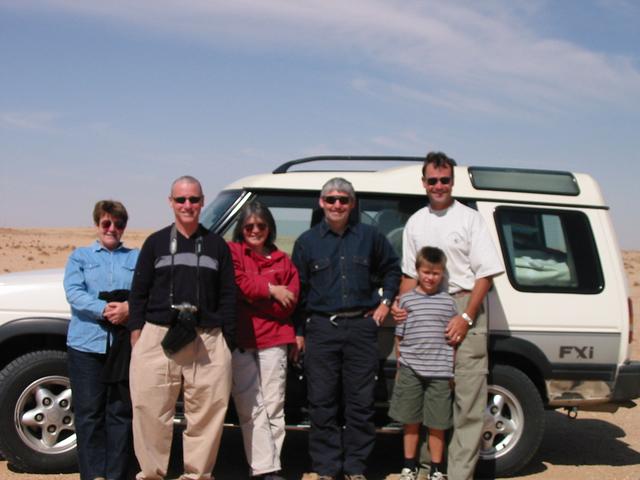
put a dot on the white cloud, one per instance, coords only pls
(486, 55)
(407, 140)
(42, 121)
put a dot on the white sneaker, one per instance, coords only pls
(408, 474)
(437, 476)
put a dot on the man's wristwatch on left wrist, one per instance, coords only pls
(467, 318)
(386, 302)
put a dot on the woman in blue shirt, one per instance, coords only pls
(96, 282)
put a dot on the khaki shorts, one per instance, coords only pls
(416, 399)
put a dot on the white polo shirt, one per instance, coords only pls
(461, 233)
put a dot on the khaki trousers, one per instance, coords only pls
(470, 398)
(259, 384)
(202, 370)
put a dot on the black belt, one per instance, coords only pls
(346, 314)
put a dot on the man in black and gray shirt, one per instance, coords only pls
(184, 278)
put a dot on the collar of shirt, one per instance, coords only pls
(325, 229)
(97, 246)
(275, 254)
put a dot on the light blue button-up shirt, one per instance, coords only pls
(89, 271)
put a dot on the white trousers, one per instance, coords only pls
(259, 381)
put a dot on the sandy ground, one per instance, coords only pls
(592, 446)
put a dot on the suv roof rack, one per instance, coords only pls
(361, 158)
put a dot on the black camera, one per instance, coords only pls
(182, 330)
(184, 312)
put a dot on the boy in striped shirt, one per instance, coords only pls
(422, 391)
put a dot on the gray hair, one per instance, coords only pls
(185, 179)
(339, 184)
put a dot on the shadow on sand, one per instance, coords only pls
(581, 441)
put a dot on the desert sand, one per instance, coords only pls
(593, 446)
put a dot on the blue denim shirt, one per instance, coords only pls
(89, 271)
(344, 272)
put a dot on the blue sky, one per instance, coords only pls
(116, 99)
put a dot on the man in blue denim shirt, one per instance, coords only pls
(338, 315)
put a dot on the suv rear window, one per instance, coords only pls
(549, 250)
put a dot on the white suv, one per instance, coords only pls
(560, 318)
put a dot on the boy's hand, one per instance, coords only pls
(399, 314)
(456, 330)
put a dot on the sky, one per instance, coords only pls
(116, 99)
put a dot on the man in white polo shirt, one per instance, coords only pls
(472, 261)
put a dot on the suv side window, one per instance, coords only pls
(296, 212)
(549, 250)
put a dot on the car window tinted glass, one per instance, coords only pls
(297, 211)
(214, 213)
(549, 250)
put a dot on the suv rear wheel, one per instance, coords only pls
(36, 417)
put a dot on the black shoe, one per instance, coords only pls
(268, 476)
(273, 476)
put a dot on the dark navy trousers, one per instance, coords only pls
(341, 361)
(102, 419)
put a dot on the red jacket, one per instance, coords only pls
(261, 321)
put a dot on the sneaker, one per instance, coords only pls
(437, 476)
(408, 474)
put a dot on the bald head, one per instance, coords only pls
(186, 179)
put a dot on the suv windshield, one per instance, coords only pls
(215, 211)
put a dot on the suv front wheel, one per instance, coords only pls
(513, 422)
(36, 416)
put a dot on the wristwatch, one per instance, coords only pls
(386, 301)
(467, 318)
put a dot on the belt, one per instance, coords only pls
(460, 293)
(346, 314)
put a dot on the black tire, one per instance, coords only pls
(36, 417)
(513, 424)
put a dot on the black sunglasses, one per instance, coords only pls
(443, 180)
(119, 224)
(248, 227)
(342, 199)
(184, 199)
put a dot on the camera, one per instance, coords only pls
(185, 309)
(183, 327)
(184, 312)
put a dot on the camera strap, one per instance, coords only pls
(173, 249)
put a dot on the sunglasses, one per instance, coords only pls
(342, 199)
(118, 224)
(443, 180)
(184, 199)
(248, 227)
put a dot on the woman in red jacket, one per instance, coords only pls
(268, 288)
